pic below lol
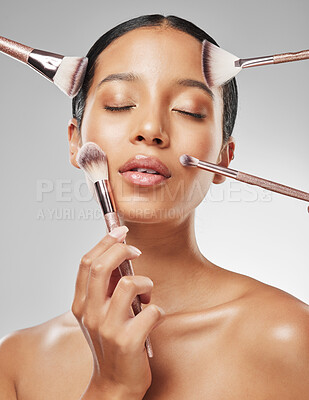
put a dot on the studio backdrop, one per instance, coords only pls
(49, 220)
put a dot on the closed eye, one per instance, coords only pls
(124, 108)
(195, 115)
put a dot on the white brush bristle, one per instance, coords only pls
(218, 64)
(188, 160)
(92, 160)
(70, 75)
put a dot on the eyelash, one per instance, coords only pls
(194, 115)
(126, 108)
(109, 108)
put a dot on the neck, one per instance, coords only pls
(170, 257)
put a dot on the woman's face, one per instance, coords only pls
(164, 64)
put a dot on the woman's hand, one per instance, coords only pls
(102, 307)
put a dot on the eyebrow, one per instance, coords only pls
(124, 76)
(197, 84)
(130, 77)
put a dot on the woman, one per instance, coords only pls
(223, 335)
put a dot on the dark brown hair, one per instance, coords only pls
(229, 90)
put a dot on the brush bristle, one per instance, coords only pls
(218, 65)
(188, 160)
(92, 159)
(70, 75)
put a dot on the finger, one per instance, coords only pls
(144, 322)
(126, 290)
(81, 287)
(101, 270)
(118, 234)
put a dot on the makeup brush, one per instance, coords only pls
(243, 177)
(67, 73)
(92, 159)
(219, 66)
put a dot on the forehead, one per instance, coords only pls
(154, 52)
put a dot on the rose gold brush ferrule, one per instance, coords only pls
(254, 62)
(44, 62)
(108, 207)
(275, 59)
(105, 196)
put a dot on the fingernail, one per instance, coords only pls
(119, 232)
(135, 249)
(162, 312)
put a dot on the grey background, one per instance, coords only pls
(242, 228)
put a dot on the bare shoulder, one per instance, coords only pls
(38, 334)
(17, 346)
(37, 351)
(272, 313)
(273, 331)
(282, 317)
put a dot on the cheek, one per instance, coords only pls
(102, 131)
(197, 183)
(203, 142)
(205, 145)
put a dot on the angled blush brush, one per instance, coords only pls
(243, 177)
(67, 73)
(93, 161)
(219, 66)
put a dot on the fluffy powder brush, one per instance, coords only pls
(67, 73)
(219, 66)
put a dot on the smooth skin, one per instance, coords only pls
(224, 335)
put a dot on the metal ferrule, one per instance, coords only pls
(254, 62)
(45, 63)
(105, 196)
(231, 173)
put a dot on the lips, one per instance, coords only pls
(146, 163)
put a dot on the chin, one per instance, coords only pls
(149, 212)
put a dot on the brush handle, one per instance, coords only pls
(15, 49)
(125, 268)
(273, 186)
(287, 57)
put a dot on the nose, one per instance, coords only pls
(151, 130)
